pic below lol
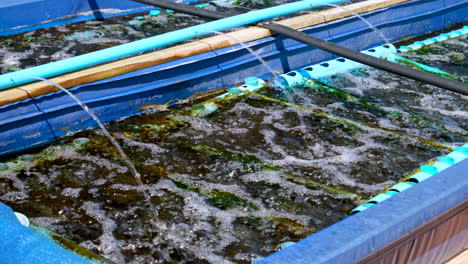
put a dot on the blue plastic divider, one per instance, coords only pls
(55, 114)
(458, 11)
(23, 126)
(26, 15)
(20, 244)
(357, 236)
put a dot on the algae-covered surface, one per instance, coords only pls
(267, 167)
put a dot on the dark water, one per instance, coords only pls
(266, 168)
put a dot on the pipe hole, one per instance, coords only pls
(372, 202)
(325, 64)
(309, 69)
(292, 74)
(341, 60)
(413, 180)
(386, 46)
(371, 50)
(244, 86)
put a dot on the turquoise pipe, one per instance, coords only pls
(330, 67)
(423, 67)
(441, 38)
(102, 56)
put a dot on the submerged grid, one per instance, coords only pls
(267, 167)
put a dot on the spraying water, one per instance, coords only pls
(259, 58)
(263, 165)
(249, 49)
(376, 30)
(130, 165)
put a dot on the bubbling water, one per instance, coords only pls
(128, 162)
(267, 167)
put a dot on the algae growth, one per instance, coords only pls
(232, 184)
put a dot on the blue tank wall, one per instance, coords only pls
(19, 244)
(25, 15)
(37, 121)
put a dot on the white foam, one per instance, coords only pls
(109, 247)
(155, 149)
(71, 192)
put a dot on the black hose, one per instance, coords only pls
(385, 65)
(360, 57)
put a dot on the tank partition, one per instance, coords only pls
(26, 15)
(22, 245)
(39, 120)
(424, 224)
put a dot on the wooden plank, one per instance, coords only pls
(304, 21)
(244, 35)
(117, 68)
(197, 47)
(361, 7)
(12, 96)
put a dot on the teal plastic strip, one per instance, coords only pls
(102, 56)
(459, 154)
(423, 67)
(330, 67)
(379, 198)
(442, 37)
(401, 186)
(251, 84)
(395, 58)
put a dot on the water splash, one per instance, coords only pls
(375, 29)
(249, 49)
(130, 165)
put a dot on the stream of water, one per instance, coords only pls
(266, 168)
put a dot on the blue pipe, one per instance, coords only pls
(101, 56)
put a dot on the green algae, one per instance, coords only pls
(216, 198)
(345, 96)
(249, 162)
(289, 225)
(314, 184)
(378, 109)
(425, 68)
(184, 186)
(9, 43)
(357, 124)
(225, 201)
(457, 57)
(254, 162)
(68, 244)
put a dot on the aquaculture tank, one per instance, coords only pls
(247, 131)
